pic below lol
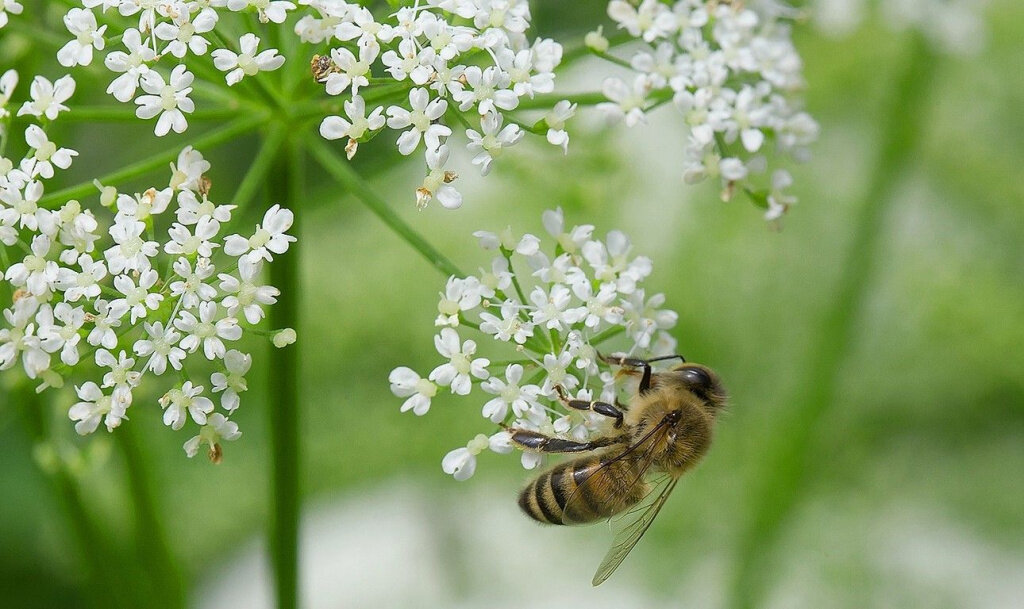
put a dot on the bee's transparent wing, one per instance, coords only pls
(635, 523)
(606, 481)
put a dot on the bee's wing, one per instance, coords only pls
(636, 522)
(581, 507)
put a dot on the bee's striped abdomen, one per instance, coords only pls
(544, 499)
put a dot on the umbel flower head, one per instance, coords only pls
(104, 300)
(732, 70)
(528, 326)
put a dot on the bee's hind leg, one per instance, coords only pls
(534, 440)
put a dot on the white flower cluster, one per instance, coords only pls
(453, 57)
(729, 69)
(548, 310)
(953, 26)
(105, 290)
(169, 33)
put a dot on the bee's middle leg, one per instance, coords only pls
(603, 408)
(535, 440)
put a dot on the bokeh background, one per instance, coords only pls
(873, 449)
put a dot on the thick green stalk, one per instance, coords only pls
(285, 187)
(778, 484)
(150, 535)
(256, 174)
(96, 559)
(138, 168)
(343, 172)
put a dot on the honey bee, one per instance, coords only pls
(663, 432)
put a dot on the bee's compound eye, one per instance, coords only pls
(696, 377)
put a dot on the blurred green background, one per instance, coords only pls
(872, 453)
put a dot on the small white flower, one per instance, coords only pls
(78, 52)
(121, 378)
(48, 98)
(351, 72)
(405, 383)
(570, 242)
(275, 11)
(510, 394)
(459, 295)
(35, 273)
(242, 293)
(138, 298)
(555, 119)
(64, 336)
(23, 208)
(438, 181)
(335, 127)
(183, 242)
(106, 319)
(248, 62)
(409, 61)
(131, 66)
(626, 103)
(184, 33)
(75, 285)
(510, 326)
(94, 405)
(420, 121)
(207, 330)
(651, 20)
(268, 238)
(488, 91)
(45, 154)
(232, 380)
(217, 428)
(132, 252)
(161, 347)
(168, 99)
(179, 404)
(489, 145)
(552, 308)
(143, 206)
(461, 366)
(186, 175)
(191, 289)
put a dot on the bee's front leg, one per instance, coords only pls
(636, 362)
(534, 440)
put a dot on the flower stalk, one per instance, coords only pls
(782, 479)
(285, 185)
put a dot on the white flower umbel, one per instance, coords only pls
(732, 71)
(131, 281)
(460, 59)
(542, 313)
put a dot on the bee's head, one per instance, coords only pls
(703, 383)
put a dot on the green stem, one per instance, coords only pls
(348, 177)
(150, 534)
(112, 113)
(547, 101)
(778, 485)
(260, 167)
(285, 186)
(217, 136)
(96, 559)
